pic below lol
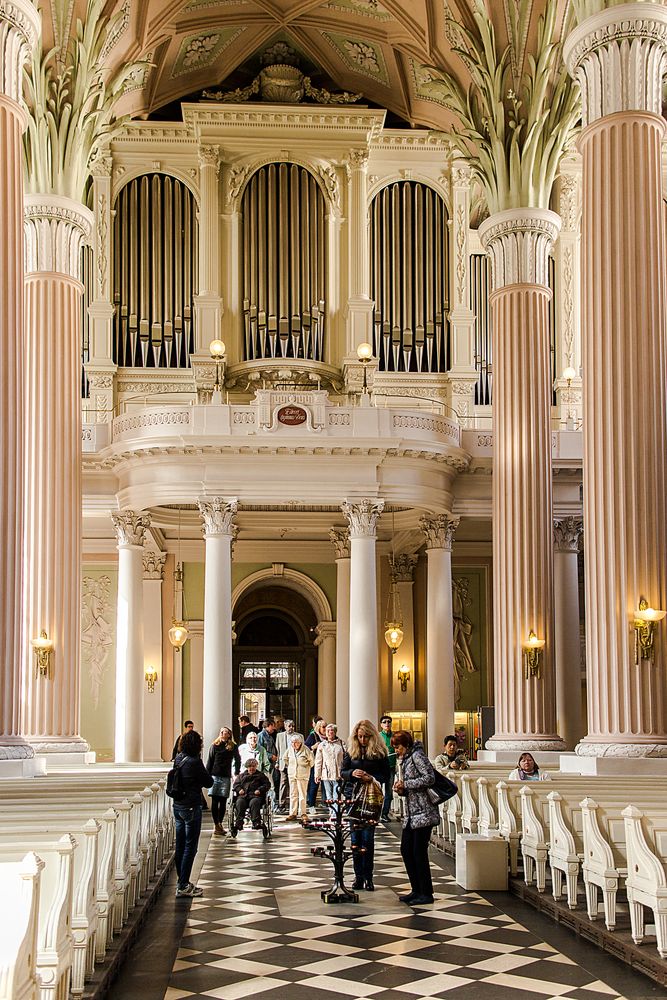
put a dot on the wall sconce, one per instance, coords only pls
(365, 355)
(644, 625)
(150, 675)
(532, 654)
(178, 635)
(217, 349)
(43, 647)
(404, 676)
(568, 375)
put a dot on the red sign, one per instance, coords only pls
(292, 415)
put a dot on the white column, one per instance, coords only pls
(100, 367)
(359, 312)
(130, 527)
(362, 516)
(207, 301)
(326, 670)
(340, 539)
(440, 705)
(55, 229)
(403, 575)
(219, 529)
(19, 31)
(569, 716)
(153, 563)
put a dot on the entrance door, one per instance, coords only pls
(269, 688)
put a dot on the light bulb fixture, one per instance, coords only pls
(217, 349)
(150, 676)
(393, 623)
(43, 647)
(404, 676)
(178, 633)
(568, 375)
(393, 636)
(532, 654)
(646, 619)
(365, 355)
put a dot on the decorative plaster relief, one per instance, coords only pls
(101, 231)
(463, 627)
(130, 527)
(402, 567)
(19, 31)
(97, 615)
(567, 533)
(154, 564)
(361, 56)
(198, 51)
(340, 539)
(367, 8)
(218, 515)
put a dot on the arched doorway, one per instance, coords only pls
(275, 659)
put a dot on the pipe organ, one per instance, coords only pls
(409, 278)
(284, 264)
(480, 290)
(155, 273)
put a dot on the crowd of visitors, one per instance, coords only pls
(275, 761)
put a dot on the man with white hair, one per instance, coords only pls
(282, 743)
(250, 750)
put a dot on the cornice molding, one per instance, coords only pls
(619, 59)
(518, 241)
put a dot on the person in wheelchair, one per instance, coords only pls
(250, 790)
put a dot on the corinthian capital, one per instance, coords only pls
(518, 241)
(130, 527)
(154, 564)
(209, 156)
(218, 515)
(402, 568)
(439, 531)
(362, 516)
(340, 539)
(617, 56)
(567, 533)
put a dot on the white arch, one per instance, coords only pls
(395, 177)
(293, 580)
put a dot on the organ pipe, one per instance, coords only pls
(284, 276)
(409, 278)
(155, 273)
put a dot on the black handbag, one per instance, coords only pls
(442, 789)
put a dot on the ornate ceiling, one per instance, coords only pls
(375, 47)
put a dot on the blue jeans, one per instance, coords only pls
(363, 862)
(188, 828)
(329, 792)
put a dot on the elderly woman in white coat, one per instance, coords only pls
(328, 763)
(298, 759)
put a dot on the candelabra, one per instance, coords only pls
(338, 828)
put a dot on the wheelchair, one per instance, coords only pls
(266, 815)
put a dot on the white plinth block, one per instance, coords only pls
(481, 862)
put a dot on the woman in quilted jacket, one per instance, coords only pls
(417, 775)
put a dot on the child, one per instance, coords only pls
(298, 760)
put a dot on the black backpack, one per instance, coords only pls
(175, 788)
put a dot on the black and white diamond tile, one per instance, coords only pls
(238, 944)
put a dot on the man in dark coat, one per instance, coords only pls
(251, 787)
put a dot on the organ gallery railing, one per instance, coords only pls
(284, 264)
(409, 278)
(155, 273)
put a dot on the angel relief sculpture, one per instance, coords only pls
(96, 630)
(463, 661)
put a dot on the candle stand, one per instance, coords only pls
(338, 828)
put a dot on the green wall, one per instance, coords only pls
(324, 574)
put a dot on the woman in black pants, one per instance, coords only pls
(223, 755)
(421, 815)
(365, 759)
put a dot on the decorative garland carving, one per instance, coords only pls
(96, 630)
(340, 539)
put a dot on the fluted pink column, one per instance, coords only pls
(19, 31)
(619, 58)
(54, 230)
(518, 242)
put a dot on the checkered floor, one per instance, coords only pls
(237, 944)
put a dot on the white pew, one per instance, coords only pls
(54, 918)
(646, 882)
(84, 916)
(19, 891)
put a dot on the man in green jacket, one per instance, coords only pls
(386, 734)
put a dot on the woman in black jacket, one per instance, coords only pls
(222, 757)
(365, 759)
(187, 810)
